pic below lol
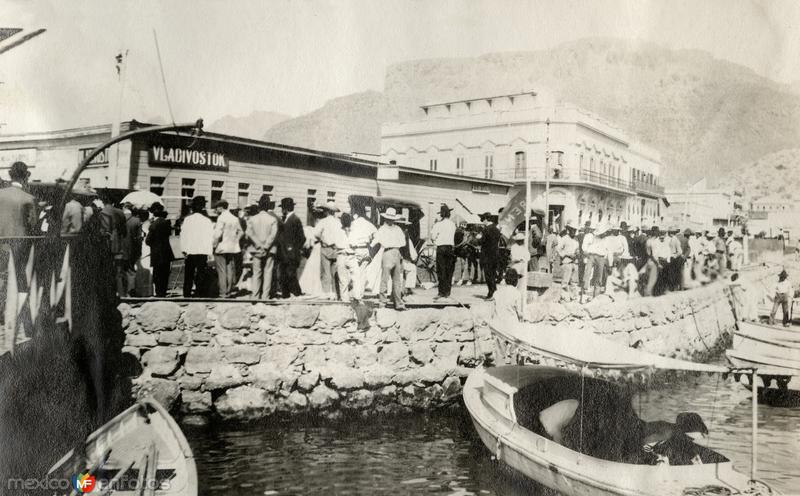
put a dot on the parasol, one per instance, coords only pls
(142, 199)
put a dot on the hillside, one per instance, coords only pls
(705, 115)
(250, 126)
(774, 173)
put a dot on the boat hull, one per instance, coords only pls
(140, 451)
(570, 472)
(773, 351)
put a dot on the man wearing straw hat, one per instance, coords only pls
(567, 250)
(443, 237)
(392, 239)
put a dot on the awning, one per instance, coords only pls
(586, 349)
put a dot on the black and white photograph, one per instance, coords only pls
(379, 247)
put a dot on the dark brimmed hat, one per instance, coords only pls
(623, 226)
(18, 170)
(655, 230)
(287, 202)
(445, 208)
(485, 215)
(198, 202)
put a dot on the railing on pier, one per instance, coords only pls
(36, 287)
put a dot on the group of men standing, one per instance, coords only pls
(277, 243)
(649, 262)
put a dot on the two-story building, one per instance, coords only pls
(700, 206)
(591, 170)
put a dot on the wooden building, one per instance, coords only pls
(240, 170)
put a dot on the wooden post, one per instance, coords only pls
(754, 461)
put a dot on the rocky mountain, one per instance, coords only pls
(250, 126)
(772, 174)
(706, 116)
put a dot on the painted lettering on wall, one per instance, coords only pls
(167, 156)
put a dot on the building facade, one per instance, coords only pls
(179, 167)
(699, 206)
(774, 216)
(595, 172)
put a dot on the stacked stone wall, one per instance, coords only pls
(243, 361)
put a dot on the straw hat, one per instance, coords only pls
(391, 214)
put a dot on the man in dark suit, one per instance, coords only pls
(17, 218)
(277, 286)
(490, 251)
(18, 206)
(290, 248)
(160, 249)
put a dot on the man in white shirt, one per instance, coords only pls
(197, 232)
(443, 237)
(735, 251)
(326, 231)
(227, 233)
(391, 238)
(783, 296)
(587, 250)
(358, 240)
(567, 250)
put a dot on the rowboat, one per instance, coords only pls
(490, 397)
(774, 351)
(586, 361)
(141, 451)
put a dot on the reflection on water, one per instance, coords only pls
(439, 453)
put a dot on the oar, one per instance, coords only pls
(108, 490)
(150, 489)
(140, 478)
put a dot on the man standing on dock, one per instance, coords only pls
(490, 252)
(443, 236)
(783, 296)
(290, 248)
(227, 233)
(358, 240)
(262, 230)
(197, 232)
(391, 238)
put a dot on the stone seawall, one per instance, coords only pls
(245, 361)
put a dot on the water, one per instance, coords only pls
(439, 453)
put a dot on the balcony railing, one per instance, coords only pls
(641, 186)
(605, 180)
(558, 174)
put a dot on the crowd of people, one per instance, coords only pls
(265, 251)
(650, 262)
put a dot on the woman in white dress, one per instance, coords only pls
(311, 268)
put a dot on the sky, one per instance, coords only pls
(291, 56)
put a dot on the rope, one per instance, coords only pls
(697, 328)
(163, 78)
